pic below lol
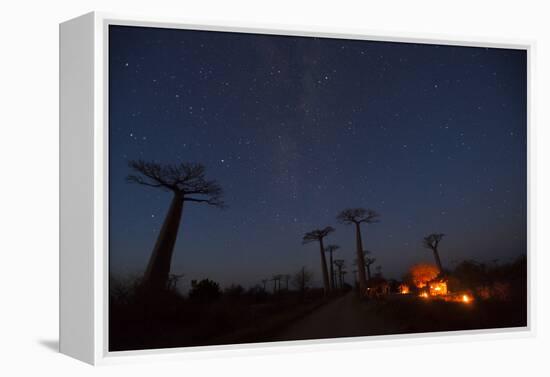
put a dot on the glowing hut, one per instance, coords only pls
(438, 288)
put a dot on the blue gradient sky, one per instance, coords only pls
(297, 129)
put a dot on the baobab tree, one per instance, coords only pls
(432, 242)
(287, 278)
(331, 249)
(368, 262)
(187, 183)
(277, 283)
(339, 263)
(301, 280)
(318, 235)
(358, 216)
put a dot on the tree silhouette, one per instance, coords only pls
(368, 262)
(358, 216)
(287, 278)
(301, 280)
(432, 242)
(187, 182)
(172, 283)
(318, 235)
(204, 290)
(277, 282)
(331, 249)
(339, 263)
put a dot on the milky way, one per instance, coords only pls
(297, 129)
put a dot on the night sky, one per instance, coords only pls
(296, 129)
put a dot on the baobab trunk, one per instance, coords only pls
(360, 260)
(158, 268)
(332, 284)
(438, 261)
(324, 268)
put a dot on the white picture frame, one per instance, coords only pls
(84, 190)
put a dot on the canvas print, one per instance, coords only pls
(267, 188)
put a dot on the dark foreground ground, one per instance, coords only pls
(176, 322)
(349, 316)
(295, 318)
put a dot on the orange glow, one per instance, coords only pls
(466, 299)
(438, 288)
(424, 294)
(422, 274)
(404, 289)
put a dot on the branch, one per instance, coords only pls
(358, 216)
(141, 181)
(213, 202)
(185, 179)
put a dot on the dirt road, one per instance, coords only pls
(343, 317)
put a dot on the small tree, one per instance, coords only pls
(276, 282)
(205, 290)
(302, 279)
(432, 242)
(286, 278)
(339, 263)
(264, 283)
(369, 261)
(173, 280)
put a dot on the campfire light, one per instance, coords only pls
(438, 288)
(466, 299)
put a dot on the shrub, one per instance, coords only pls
(204, 290)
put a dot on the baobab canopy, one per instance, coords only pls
(187, 182)
(186, 179)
